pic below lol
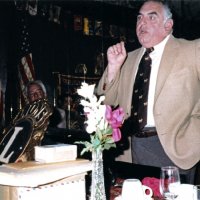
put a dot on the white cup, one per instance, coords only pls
(133, 189)
(187, 192)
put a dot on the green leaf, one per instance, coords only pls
(109, 140)
(86, 143)
(108, 146)
(99, 135)
(85, 150)
(109, 131)
(96, 142)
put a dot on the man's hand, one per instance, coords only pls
(116, 55)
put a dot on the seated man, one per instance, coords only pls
(36, 90)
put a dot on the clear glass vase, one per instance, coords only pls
(98, 185)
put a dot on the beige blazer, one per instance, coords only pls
(177, 98)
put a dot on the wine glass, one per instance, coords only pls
(169, 182)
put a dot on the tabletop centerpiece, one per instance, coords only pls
(103, 124)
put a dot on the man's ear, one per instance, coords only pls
(168, 25)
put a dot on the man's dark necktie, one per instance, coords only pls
(140, 91)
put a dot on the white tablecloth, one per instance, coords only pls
(33, 174)
(32, 180)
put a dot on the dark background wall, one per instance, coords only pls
(58, 47)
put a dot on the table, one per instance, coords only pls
(33, 180)
(124, 170)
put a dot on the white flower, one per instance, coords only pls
(100, 116)
(86, 90)
(100, 120)
(91, 126)
(93, 109)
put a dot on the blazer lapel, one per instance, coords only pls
(170, 54)
(131, 72)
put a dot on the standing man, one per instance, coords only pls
(169, 134)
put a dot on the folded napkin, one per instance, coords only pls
(153, 183)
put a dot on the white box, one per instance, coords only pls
(55, 153)
(63, 189)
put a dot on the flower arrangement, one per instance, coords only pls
(103, 123)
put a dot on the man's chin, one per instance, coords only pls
(144, 42)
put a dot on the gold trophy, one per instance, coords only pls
(25, 132)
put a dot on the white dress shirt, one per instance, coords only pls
(156, 56)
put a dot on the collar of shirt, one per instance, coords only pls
(159, 48)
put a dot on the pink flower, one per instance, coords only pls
(115, 119)
(116, 134)
(153, 183)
